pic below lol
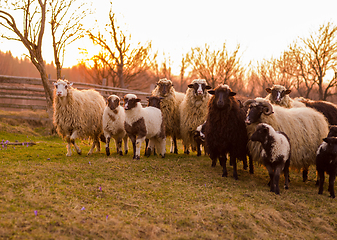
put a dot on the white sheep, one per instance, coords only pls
(193, 111)
(275, 154)
(141, 123)
(78, 114)
(169, 106)
(304, 126)
(113, 125)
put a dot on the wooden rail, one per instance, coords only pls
(27, 93)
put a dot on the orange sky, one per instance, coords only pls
(263, 28)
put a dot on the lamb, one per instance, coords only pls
(141, 123)
(199, 137)
(279, 95)
(326, 161)
(78, 114)
(305, 128)
(225, 130)
(275, 154)
(170, 108)
(193, 111)
(113, 125)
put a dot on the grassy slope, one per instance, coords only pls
(44, 194)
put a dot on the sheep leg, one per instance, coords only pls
(331, 185)
(68, 146)
(235, 173)
(133, 140)
(305, 174)
(271, 177)
(97, 144)
(277, 178)
(107, 149)
(138, 146)
(73, 136)
(119, 146)
(286, 174)
(321, 181)
(174, 147)
(186, 149)
(146, 147)
(126, 148)
(224, 168)
(198, 149)
(162, 146)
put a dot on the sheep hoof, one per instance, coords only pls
(136, 157)
(332, 196)
(126, 151)
(121, 153)
(107, 150)
(176, 151)
(286, 187)
(68, 154)
(163, 156)
(79, 152)
(224, 175)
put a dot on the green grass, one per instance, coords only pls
(46, 195)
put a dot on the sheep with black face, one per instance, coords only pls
(225, 130)
(275, 154)
(326, 161)
(113, 125)
(142, 123)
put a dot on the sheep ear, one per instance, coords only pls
(147, 97)
(212, 92)
(287, 91)
(138, 100)
(70, 84)
(190, 85)
(326, 140)
(55, 84)
(268, 90)
(232, 94)
(208, 87)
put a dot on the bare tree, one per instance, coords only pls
(310, 59)
(34, 18)
(123, 61)
(215, 66)
(66, 26)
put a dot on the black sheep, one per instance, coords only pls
(326, 161)
(225, 130)
(329, 110)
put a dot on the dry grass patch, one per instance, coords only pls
(45, 194)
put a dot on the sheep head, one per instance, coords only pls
(199, 87)
(331, 145)
(154, 101)
(261, 133)
(257, 107)
(113, 102)
(130, 101)
(164, 86)
(222, 96)
(278, 93)
(61, 87)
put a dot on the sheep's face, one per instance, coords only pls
(199, 88)
(164, 88)
(154, 101)
(331, 146)
(277, 94)
(113, 102)
(261, 133)
(130, 101)
(61, 88)
(222, 96)
(332, 131)
(254, 113)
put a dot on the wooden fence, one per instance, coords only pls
(27, 93)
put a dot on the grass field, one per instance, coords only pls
(46, 195)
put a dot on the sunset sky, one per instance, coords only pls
(263, 28)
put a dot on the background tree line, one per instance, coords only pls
(304, 66)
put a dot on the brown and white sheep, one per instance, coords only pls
(78, 114)
(142, 123)
(113, 125)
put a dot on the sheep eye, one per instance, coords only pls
(66, 86)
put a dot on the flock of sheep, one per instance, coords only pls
(276, 131)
